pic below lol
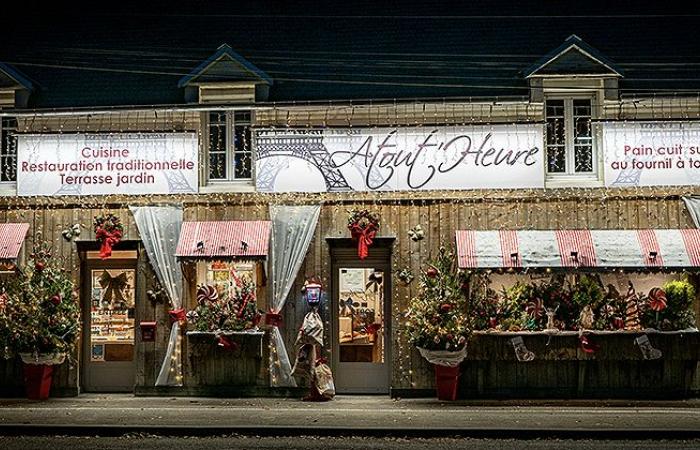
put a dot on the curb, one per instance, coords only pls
(278, 431)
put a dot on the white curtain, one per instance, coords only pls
(159, 228)
(293, 228)
(693, 205)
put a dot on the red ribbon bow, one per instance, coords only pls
(364, 237)
(177, 315)
(273, 319)
(588, 346)
(226, 343)
(108, 240)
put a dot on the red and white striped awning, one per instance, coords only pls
(11, 238)
(224, 239)
(578, 248)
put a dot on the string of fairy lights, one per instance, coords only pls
(440, 212)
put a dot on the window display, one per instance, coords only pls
(596, 300)
(361, 315)
(226, 297)
(112, 314)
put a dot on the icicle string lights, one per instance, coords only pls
(440, 212)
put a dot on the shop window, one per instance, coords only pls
(222, 275)
(8, 149)
(112, 314)
(230, 152)
(360, 319)
(569, 138)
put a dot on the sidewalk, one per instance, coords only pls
(95, 414)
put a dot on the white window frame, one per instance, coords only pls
(229, 184)
(569, 177)
(7, 187)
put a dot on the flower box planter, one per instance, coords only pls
(243, 364)
(562, 369)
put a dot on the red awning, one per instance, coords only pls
(578, 248)
(11, 238)
(224, 239)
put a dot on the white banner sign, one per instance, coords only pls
(651, 153)
(100, 164)
(391, 159)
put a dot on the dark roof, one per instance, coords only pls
(339, 58)
(573, 56)
(225, 64)
(10, 77)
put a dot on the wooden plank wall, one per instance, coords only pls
(440, 217)
(440, 213)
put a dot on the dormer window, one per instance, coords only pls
(569, 139)
(230, 152)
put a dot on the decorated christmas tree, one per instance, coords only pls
(39, 311)
(437, 317)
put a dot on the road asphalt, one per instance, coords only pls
(115, 415)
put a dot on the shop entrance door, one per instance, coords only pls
(361, 318)
(108, 302)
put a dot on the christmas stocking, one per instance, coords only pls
(648, 352)
(521, 352)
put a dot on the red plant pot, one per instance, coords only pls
(446, 381)
(37, 380)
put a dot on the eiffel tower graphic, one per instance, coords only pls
(631, 175)
(178, 184)
(72, 189)
(267, 174)
(307, 148)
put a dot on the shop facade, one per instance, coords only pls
(575, 154)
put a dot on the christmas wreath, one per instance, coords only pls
(108, 232)
(363, 226)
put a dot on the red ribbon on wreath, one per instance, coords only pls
(364, 237)
(108, 232)
(108, 240)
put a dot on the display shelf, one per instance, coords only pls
(576, 333)
(226, 333)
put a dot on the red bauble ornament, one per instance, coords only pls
(39, 266)
(431, 272)
(56, 299)
(445, 307)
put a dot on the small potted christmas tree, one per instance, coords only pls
(39, 319)
(437, 323)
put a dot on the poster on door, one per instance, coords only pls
(101, 164)
(401, 158)
(651, 153)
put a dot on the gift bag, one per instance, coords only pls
(306, 355)
(311, 331)
(324, 380)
